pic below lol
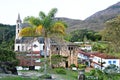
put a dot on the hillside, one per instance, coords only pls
(95, 21)
(6, 32)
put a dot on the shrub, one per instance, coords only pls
(72, 65)
(46, 76)
(60, 71)
(81, 66)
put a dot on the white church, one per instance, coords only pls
(31, 47)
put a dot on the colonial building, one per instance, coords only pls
(29, 49)
(69, 50)
(98, 60)
(101, 60)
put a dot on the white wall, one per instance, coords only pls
(27, 47)
(38, 46)
(81, 56)
(112, 62)
(98, 59)
(21, 47)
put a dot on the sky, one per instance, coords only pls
(74, 9)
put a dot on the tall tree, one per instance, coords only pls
(45, 26)
(112, 33)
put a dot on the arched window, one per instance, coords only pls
(18, 25)
(70, 48)
(57, 48)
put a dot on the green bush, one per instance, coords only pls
(46, 76)
(60, 71)
(81, 66)
(72, 65)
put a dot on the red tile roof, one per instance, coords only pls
(105, 56)
(98, 54)
(89, 54)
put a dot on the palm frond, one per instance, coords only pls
(32, 20)
(42, 15)
(52, 12)
(28, 32)
(58, 28)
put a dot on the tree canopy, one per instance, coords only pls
(80, 35)
(8, 56)
(7, 33)
(112, 33)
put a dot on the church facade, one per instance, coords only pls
(29, 49)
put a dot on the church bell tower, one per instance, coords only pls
(18, 26)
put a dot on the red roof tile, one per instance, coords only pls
(98, 54)
(105, 56)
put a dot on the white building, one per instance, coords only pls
(101, 60)
(28, 45)
(98, 60)
(23, 44)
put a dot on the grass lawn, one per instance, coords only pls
(70, 75)
(16, 78)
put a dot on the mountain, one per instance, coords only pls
(95, 21)
(73, 24)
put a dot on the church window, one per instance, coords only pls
(22, 48)
(18, 25)
(35, 46)
(57, 48)
(43, 47)
(70, 48)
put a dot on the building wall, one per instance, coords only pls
(112, 61)
(20, 47)
(72, 53)
(37, 46)
(105, 62)
(81, 56)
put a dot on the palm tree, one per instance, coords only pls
(45, 26)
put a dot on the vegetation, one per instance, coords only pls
(97, 74)
(8, 56)
(81, 66)
(45, 76)
(100, 47)
(80, 35)
(7, 33)
(56, 60)
(16, 78)
(69, 75)
(60, 70)
(72, 65)
(111, 33)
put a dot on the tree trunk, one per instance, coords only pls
(45, 56)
